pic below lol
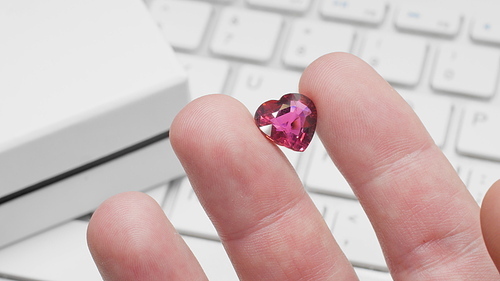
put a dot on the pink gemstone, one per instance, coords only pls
(289, 122)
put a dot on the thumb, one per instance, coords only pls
(490, 222)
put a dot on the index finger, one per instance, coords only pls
(425, 219)
(268, 225)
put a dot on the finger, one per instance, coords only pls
(267, 223)
(490, 222)
(131, 239)
(424, 217)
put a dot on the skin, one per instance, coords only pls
(427, 223)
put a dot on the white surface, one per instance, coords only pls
(480, 134)
(429, 19)
(364, 11)
(399, 59)
(206, 75)
(82, 193)
(81, 80)
(298, 6)
(311, 39)
(183, 22)
(59, 254)
(246, 34)
(457, 71)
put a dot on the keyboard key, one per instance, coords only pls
(435, 114)
(311, 39)
(187, 214)
(246, 34)
(364, 11)
(467, 71)
(479, 134)
(322, 175)
(480, 180)
(486, 30)
(352, 231)
(183, 22)
(206, 75)
(429, 19)
(327, 206)
(255, 85)
(212, 258)
(356, 237)
(399, 59)
(297, 6)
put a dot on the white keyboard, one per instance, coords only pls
(443, 61)
(444, 58)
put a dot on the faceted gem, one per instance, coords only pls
(289, 122)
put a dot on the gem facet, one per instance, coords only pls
(289, 122)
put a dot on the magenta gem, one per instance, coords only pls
(289, 122)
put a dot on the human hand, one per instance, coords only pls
(427, 222)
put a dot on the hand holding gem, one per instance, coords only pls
(425, 219)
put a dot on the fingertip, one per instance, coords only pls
(108, 218)
(208, 120)
(186, 125)
(119, 230)
(130, 238)
(362, 121)
(490, 222)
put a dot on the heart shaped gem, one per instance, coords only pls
(289, 122)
